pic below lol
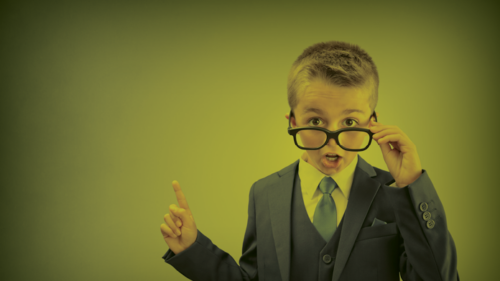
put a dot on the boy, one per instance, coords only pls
(330, 215)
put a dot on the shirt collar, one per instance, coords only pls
(310, 177)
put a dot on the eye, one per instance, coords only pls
(315, 122)
(349, 122)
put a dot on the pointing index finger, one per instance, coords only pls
(181, 199)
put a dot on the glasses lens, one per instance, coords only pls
(354, 139)
(310, 138)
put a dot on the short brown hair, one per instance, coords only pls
(339, 63)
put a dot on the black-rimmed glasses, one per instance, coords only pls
(312, 138)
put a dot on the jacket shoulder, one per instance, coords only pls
(274, 178)
(383, 176)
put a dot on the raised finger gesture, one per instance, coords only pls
(179, 229)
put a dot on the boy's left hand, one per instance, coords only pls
(402, 160)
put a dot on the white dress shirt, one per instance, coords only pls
(310, 177)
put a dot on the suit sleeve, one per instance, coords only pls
(427, 250)
(203, 260)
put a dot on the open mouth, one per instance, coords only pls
(332, 157)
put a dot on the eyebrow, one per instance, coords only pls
(347, 111)
(312, 109)
(319, 111)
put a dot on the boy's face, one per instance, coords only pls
(333, 108)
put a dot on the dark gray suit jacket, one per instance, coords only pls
(418, 248)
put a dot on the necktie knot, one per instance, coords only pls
(327, 185)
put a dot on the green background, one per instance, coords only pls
(104, 104)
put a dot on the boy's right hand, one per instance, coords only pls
(180, 231)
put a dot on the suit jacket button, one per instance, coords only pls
(327, 258)
(427, 216)
(423, 206)
(431, 224)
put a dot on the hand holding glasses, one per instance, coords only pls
(313, 138)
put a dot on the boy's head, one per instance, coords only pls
(332, 85)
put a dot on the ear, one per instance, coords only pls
(372, 119)
(291, 118)
(294, 124)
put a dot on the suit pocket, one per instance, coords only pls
(377, 231)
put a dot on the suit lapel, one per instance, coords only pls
(280, 203)
(363, 190)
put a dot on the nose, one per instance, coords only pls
(332, 142)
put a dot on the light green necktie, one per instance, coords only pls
(325, 215)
